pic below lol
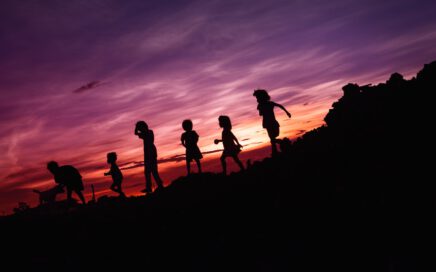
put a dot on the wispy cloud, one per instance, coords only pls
(89, 86)
(175, 158)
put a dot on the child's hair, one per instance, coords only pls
(51, 165)
(111, 157)
(225, 122)
(261, 95)
(187, 125)
(141, 125)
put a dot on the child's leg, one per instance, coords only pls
(119, 189)
(113, 187)
(156, 176)
(198, 165)
(273, 132)
(69, 193)
(147, 179)
(82, 198)
(238, 162)
(188, 166)
(273, 146)
(223, 163)
(117, 186)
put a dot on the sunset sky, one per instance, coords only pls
(75, 76)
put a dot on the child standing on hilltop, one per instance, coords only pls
(266, 110)
(150, 156)
(115, 172)
(231, 145)
(189, 141)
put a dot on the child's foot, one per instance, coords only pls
(159, 189)
(146, 191)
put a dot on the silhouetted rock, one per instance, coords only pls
(22, 207)
(427, 74)
(285, 145)
(395, 80)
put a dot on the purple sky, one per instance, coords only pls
(75, 76)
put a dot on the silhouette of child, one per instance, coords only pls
(189, 141)
(115, 172)
(69, 177)
(231, 145)
(266, 110)
(150, 156)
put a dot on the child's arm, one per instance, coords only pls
(258, 109)
(236, 140)
(117, 172)
(182, 139)
(108, 173)
(196, 137)
(283, 108)
(217, 141)
(151, 137)
(139, 134)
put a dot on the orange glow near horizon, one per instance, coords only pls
(250, 133)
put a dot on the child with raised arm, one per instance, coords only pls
(115, 172)
(266, 110)
(150, 156)
(189, 140)
(231, 145)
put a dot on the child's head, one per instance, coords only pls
(261, 95)
(111, 157)
(52, 166)
(187, 125)
(225, 122)
(141, 126)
